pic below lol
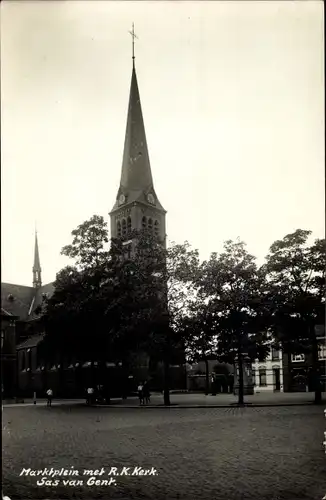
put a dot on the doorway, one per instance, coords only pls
(277, 383)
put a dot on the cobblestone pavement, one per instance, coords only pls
(273, 453)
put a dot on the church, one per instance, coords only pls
(136, 207)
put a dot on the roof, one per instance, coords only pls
(5, 313)
(16, 299)
(21, 301)
(38, 297)
(32, 341)
(136, 175)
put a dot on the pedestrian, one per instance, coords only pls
(49, 393)
(141, 393)
(90, 392)
(146, 393)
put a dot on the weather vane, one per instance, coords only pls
(133, 41)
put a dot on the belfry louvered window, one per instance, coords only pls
(156, 228)
(129, 224)
(124, 227)
(150, 224)
(119, 229)
(144, 223)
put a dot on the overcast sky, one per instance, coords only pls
(233, 103)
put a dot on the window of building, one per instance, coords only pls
(262, 377)
(144, 223)
(275, 354)
(129, 224)
(150, 224)
(297, 357)
(156, 228)
(124, 227)
(322, 352)
(23, 360)
(2, 338)
(119, 229)
(38, 358)
(28, 359)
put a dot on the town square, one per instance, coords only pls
(222, 453)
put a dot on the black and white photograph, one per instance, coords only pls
(163, 250)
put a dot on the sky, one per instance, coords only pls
(232, 96)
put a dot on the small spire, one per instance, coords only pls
(133, 36)
(37, 281)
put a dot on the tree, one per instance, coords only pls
(233, 290)
(296, 275)
(200, 337)
(130, 298)
(89, 241)
(73, 317)
(154, 297)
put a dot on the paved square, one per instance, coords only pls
(273, 453)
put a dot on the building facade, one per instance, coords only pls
(297, 367)
(8, 354)
(268, 375)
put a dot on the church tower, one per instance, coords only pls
(37, 280)
(137, 206)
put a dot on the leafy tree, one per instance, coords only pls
(88, 247)
(200, 337)
(154, 297)
(233, 290)
(296, 275)
(73, 316)
(128, 299)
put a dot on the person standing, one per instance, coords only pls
(146, 393)
(49, 393)
(141, 393)
(90, 392)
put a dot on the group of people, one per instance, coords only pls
(144, 394)
(98, 395)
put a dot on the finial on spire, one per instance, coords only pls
(133, 36)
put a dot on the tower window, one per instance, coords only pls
(150, 224)
(144, 223)
(119, 229)
(129, 224)
(124, 227)
(156, 228)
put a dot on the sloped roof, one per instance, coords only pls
(45, 289)
(5, 313)
(25, 299)
(32, 341)
(17, 299)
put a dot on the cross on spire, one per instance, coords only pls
(133, 36)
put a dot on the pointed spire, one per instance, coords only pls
(136, 170)
(136, 183)
(37, 281)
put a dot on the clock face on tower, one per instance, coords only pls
(122, 199)
(150, 198)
